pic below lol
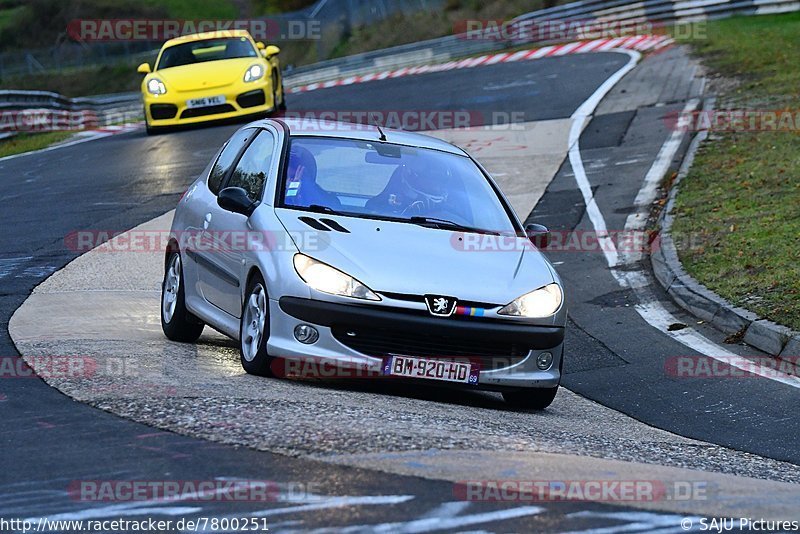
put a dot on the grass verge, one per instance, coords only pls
(738, 210)
(28, 142)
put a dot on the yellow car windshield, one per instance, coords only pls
(205, 50)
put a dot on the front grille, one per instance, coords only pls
(421, 299)
(251, 99)
(207, 110)
(492, 353)
(163, 111)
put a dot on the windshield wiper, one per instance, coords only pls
(319, 208)
(448, 225)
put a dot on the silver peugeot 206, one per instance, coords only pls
(387, 252)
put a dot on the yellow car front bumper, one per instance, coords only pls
(172, 108)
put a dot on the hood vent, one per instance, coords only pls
(321, 225)
(335, 225)
(315, 224)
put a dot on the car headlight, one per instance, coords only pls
(156, 87)
(325, 278)
(543, 302)
(253, 73)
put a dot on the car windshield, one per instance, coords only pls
(392, 182)
(205, 50)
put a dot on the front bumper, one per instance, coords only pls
(171, 108)
(362, 335)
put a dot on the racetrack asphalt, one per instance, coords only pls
(118, 182)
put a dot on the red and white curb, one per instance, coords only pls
(642, 43)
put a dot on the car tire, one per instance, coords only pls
(147, 127)
(176, 321)
(531, 399)
(154, 130)
(254, 329)
(282, 105)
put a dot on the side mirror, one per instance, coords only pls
(270, 51)
(235, 199)
(144, 68)
(260, 45)
(538, 234)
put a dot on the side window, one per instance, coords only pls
(226, 158)
(251, 172)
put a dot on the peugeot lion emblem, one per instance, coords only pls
(440, 305)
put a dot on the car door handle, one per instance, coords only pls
(207, 221)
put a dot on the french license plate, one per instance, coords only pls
(431, 369)
(205, 101)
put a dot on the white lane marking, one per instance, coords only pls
(579, 120)
(118, 510)
(143, 507)
(648, 307)
(447, 509)
(335, 502)
(649, 191)
(8, 265)
(313, 503)
(434, 524)
(638, 521)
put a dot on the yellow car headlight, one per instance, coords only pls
(253, 73)
(543, 302)
(325, 278)
(156, 87)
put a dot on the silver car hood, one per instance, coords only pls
(406, 258)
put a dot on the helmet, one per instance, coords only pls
(426, 185)
(301, 156)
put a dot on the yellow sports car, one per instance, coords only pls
(211, 76)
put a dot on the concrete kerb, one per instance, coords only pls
(774, 339)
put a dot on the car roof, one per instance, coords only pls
(206, 35)
(347, 130)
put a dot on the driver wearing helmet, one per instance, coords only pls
(302, 188)
(411, 191)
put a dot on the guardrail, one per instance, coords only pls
(655, 12)
(43, 110)
(108, 109)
